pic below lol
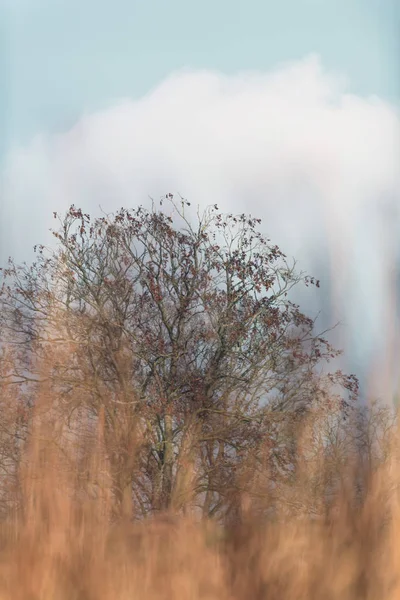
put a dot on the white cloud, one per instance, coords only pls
(291, 146)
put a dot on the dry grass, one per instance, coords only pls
(60, 548)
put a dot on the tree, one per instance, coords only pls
(183, 336)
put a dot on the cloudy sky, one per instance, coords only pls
(289, 110)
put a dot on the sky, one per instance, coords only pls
(289, 110)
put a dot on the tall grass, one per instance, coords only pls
(58, 540)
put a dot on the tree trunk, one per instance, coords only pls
(123, 496)
(168, 463)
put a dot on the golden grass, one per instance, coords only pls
(58, 548)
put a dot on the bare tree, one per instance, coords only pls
(183, 336)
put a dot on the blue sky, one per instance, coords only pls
(62, 58)
(288, 109)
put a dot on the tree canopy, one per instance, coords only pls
(178, 334)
